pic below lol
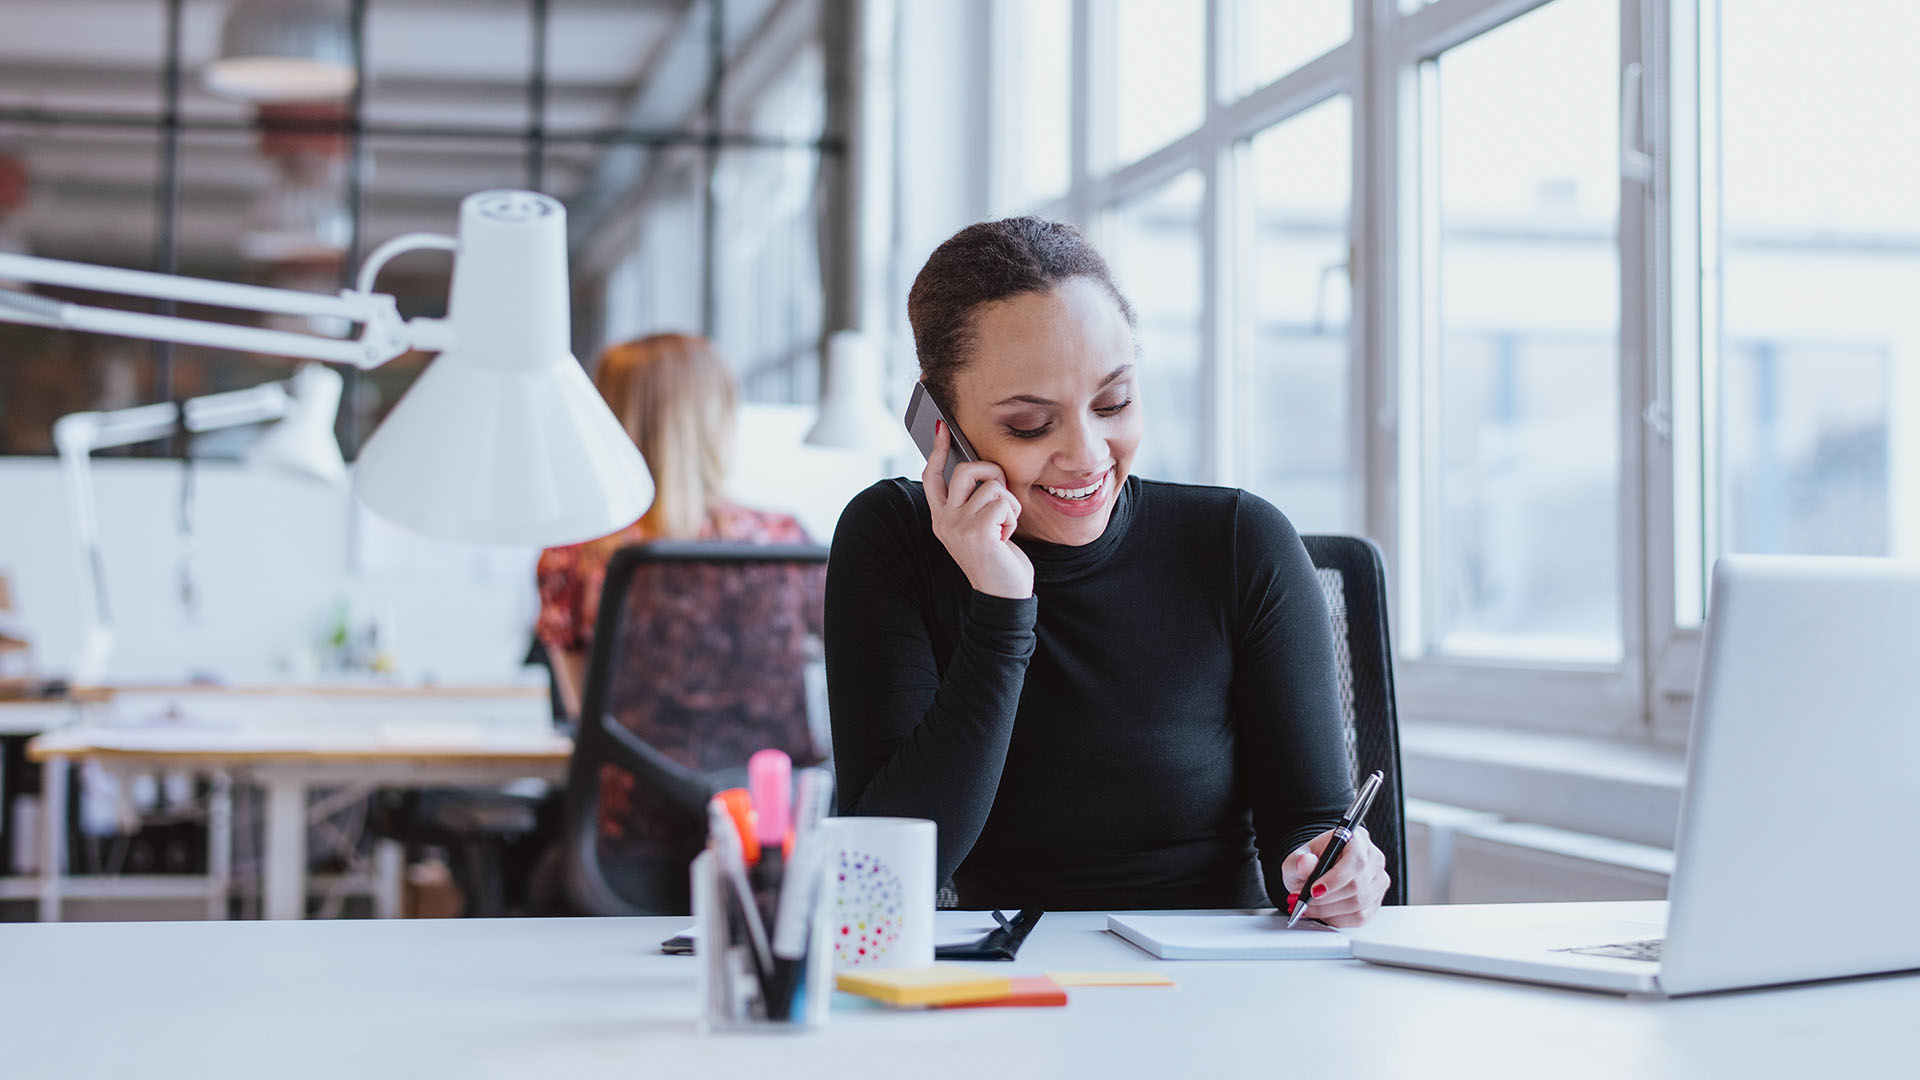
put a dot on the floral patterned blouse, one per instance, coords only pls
(570, 577)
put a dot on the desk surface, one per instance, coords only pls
(326, 701)
(593, 997)
(216, 749)
(493, 727)
(34, 717)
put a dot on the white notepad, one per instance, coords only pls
(1230, 937)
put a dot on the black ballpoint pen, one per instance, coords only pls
(1342, 833)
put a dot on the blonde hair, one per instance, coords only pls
(675, 396)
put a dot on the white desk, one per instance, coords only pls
(582, 998)
(34, 717)
(292, 743)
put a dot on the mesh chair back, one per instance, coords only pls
(1353, 576)
(700, 655)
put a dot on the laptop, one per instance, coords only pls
(1795, 858)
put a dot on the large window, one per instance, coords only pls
(1032, 86)
(1810, 263)
(1518, 464)
(602, 109)
(1295, 302)
(1150, 61)
(1273, 37)
(1153, 242)
(1557, 300)
(768, 300)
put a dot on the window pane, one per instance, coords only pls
(1815, 403)
(84, 194)
(768, 295)
(1295, 304)
(1033, 72)
(1153, 75)
(1522, 460)
(1276, 36)
(1153, 244)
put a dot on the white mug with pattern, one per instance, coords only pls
(880, 891)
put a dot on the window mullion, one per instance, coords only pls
(1080, 123)
(1643, 426)
(1216, 308)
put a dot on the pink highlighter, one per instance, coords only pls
(770, 782)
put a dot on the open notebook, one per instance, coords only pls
(1230, 937)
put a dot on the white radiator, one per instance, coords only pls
(1472, 857)
(1510, 862)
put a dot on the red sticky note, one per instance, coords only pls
(1028, 990)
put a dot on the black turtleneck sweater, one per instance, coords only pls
(1151, 728)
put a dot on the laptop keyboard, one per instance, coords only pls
(1623, 950)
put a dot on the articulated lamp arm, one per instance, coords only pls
(383, 335)
(502, 439)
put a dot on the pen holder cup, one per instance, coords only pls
(732, 994)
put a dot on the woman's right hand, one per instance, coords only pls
(975, 519)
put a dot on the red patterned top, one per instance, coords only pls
(570, 577)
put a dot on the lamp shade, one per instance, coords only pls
(853, 413)
(284, 51)
(503, 438)
(302, 441)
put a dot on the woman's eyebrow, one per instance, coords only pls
(1031, 399)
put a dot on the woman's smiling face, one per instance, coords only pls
(1048, 393)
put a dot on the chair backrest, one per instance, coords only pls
(1354, 578)
(699, 658)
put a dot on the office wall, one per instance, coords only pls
(272, 559)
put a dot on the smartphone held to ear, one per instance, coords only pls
(922, 412)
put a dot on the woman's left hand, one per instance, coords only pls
(1351, 891)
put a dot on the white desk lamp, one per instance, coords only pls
(502, 439)
(302, 411)
(853, 410)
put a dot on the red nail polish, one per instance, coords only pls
(1292, 899)
(1319, 891)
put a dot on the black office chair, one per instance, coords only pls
(699, 658)
(492, 838)
(1354, 578)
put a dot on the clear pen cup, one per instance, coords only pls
(732, 995)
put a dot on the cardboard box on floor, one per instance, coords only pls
(430, 893)
(11, 635)
(16, 652)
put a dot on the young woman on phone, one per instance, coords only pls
(1109, 692)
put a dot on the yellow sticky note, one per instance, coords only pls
(937, 985)
(1109, 978)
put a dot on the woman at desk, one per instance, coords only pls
(675, 396)
(1109, 692)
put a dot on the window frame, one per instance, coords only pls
(1646, 695)
(1588, 698)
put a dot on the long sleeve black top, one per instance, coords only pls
(1151, 729)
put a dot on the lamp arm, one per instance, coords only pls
(77, 435)
(110, 279)
(86, 432)
(361, 353)
(238, 408)
(384, 335)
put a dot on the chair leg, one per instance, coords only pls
(485, 891)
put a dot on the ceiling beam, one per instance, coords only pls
(669, 94)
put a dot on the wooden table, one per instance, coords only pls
(585, 998)
(291, 743)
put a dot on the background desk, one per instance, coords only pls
(290, 744)
(583, 998)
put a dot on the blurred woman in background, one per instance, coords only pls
(675, 396)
